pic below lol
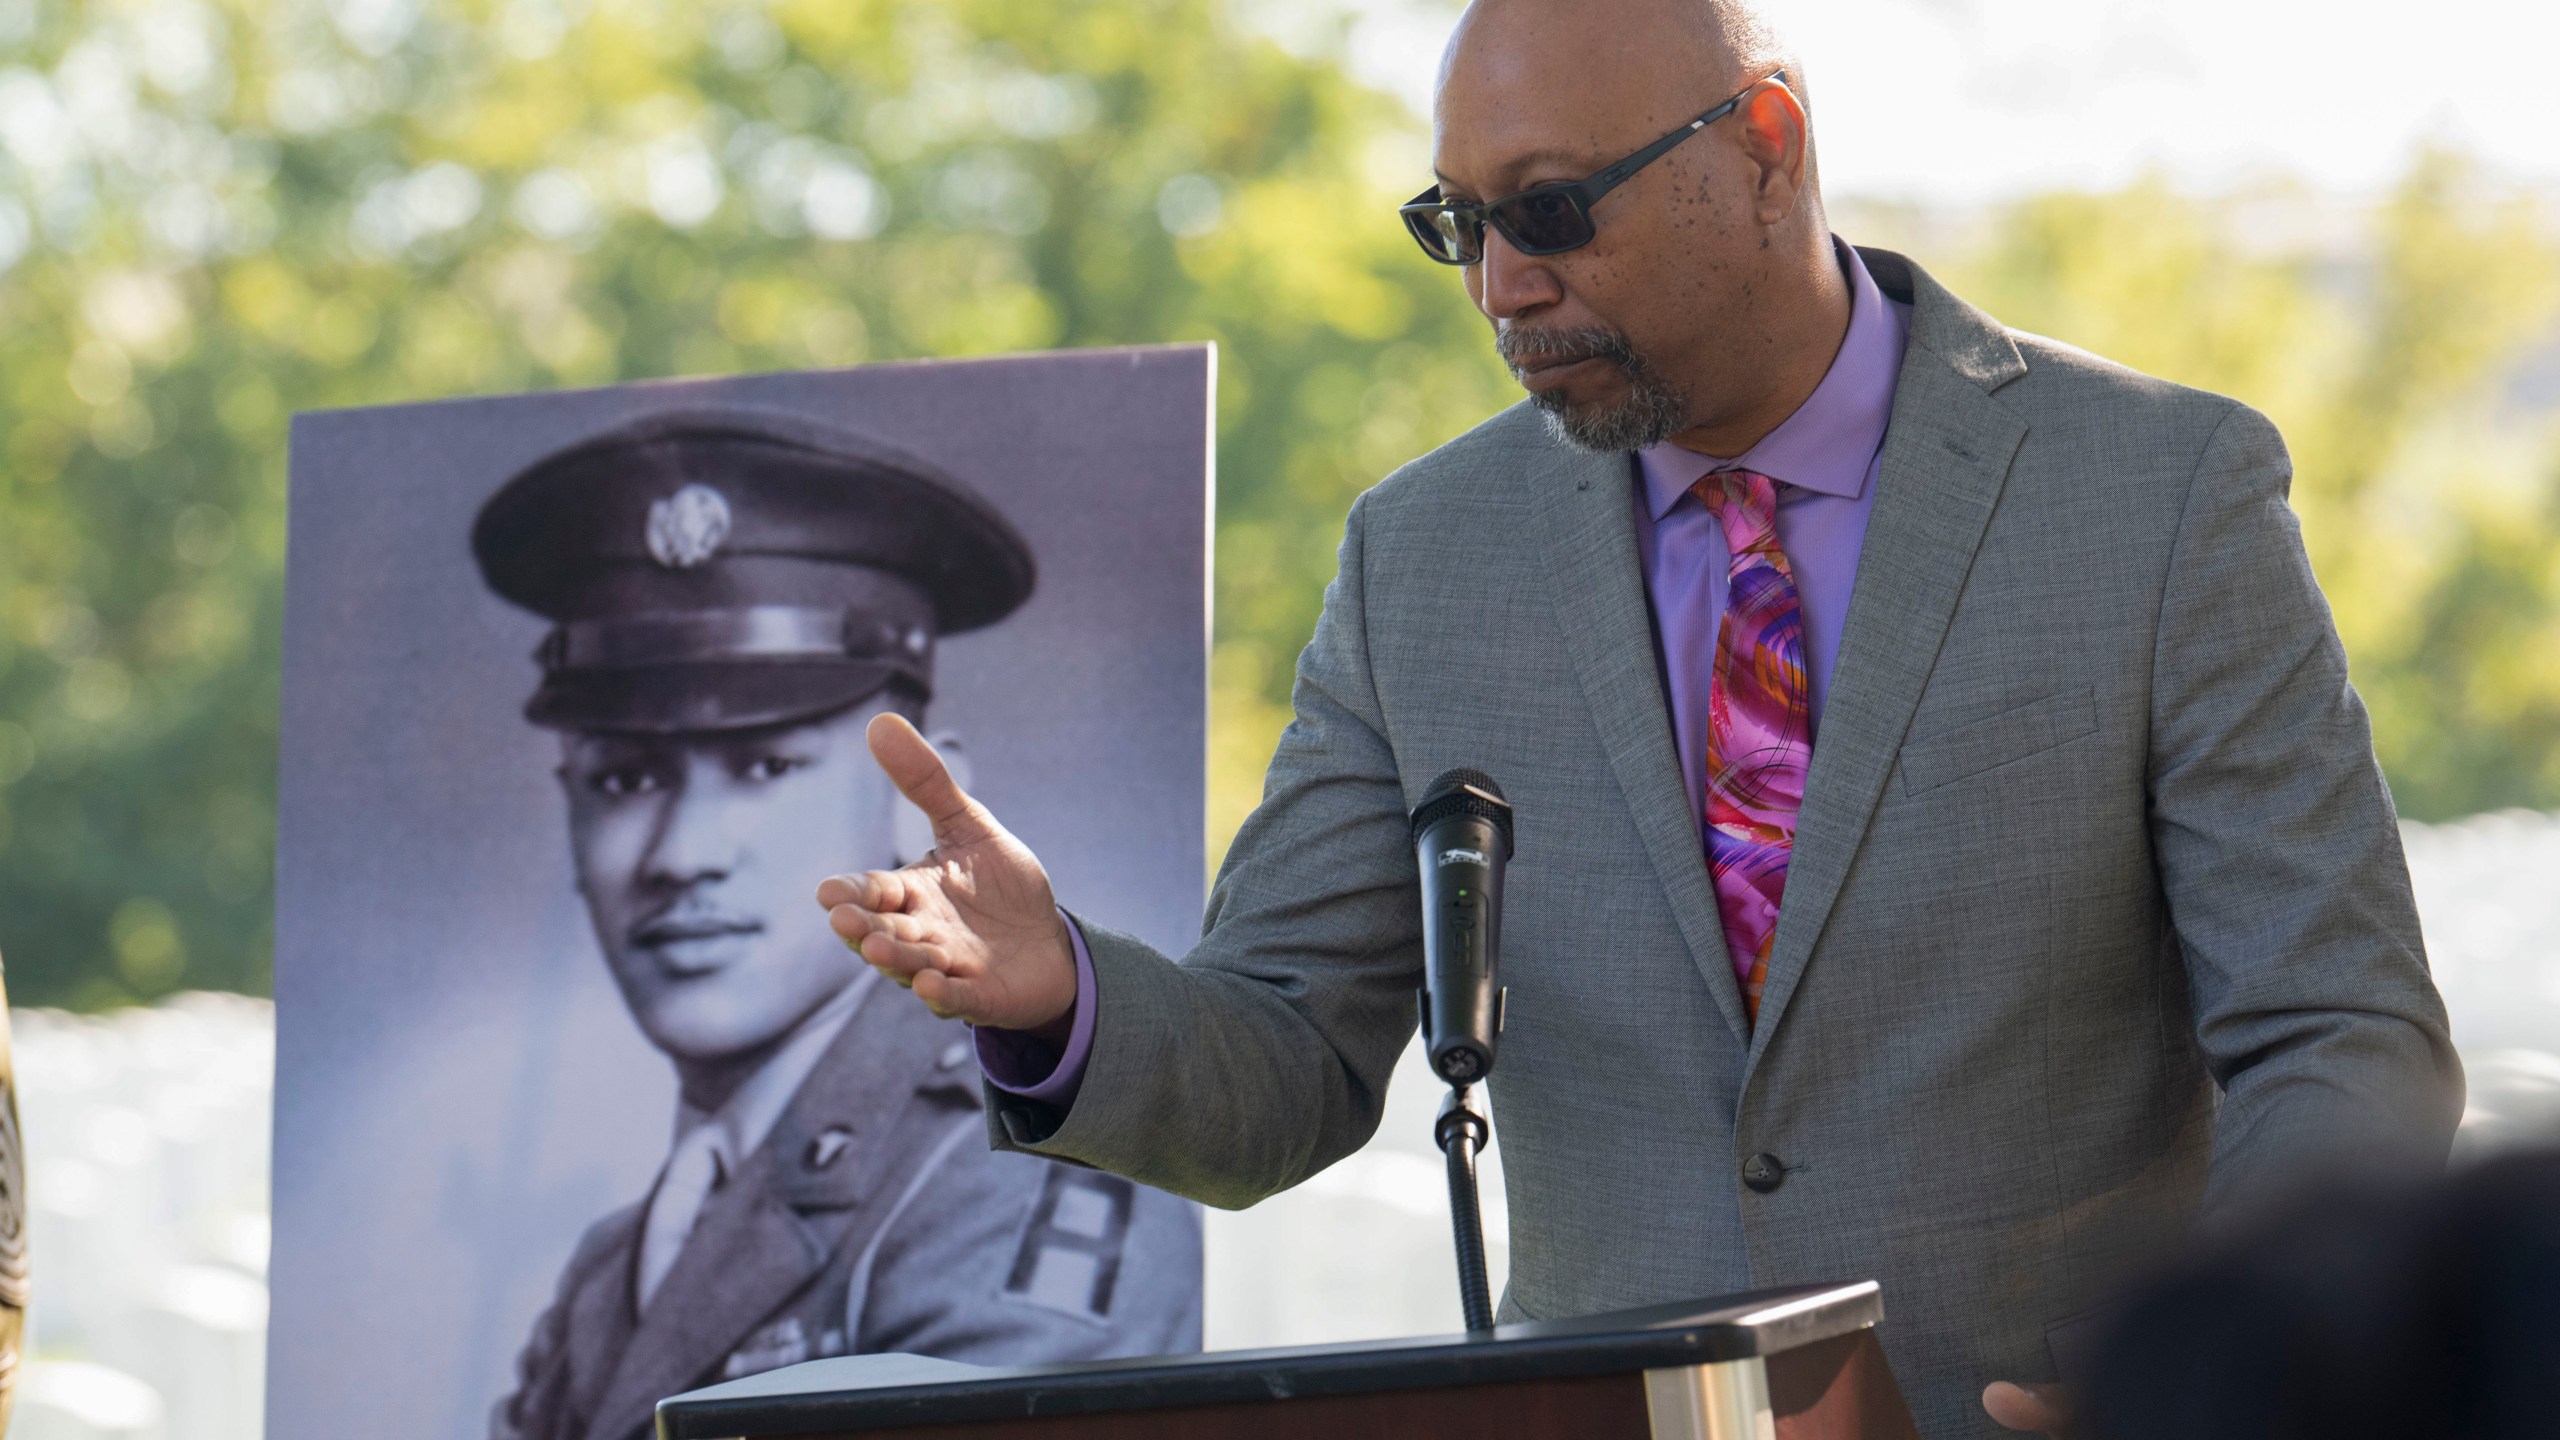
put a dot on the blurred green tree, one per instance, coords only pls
(2385, 343)
(214, 213)
(218, 212)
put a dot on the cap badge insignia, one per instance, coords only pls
(686, 528)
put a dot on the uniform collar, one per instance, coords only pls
(1830, 443)
(749, 1114)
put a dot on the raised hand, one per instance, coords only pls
(971, 928)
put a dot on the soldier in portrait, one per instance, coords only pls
(733, 595)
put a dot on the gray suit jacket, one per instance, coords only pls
(2097, 907)
(870, 1220)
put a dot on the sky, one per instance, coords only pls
(1966, 101)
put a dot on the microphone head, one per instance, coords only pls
(1463, 792)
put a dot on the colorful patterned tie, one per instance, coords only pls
(1759, 730)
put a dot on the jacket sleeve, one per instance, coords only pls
(2279, 853)
(1263, 1056)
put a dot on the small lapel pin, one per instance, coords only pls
(828, 1145)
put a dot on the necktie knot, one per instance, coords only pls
(1745, 503)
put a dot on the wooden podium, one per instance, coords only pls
(1795, 1364)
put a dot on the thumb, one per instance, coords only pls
(916, 768)
(2042, 1408)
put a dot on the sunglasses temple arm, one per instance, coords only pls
(1618, 174)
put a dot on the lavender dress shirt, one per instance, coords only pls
(1825, 458)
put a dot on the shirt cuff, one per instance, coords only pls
(1018, 1063)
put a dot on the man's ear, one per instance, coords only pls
(911, 832)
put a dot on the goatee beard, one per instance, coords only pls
(1649, 413)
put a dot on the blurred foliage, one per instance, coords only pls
(2408, 353)
(214, 213)
(223, 211)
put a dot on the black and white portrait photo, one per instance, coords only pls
(580, 1103)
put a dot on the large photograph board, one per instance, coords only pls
(577, 1101)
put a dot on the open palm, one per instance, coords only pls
(972, 928)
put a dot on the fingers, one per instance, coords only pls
(852, 922)
(900, 960)
(948, 996)
(2044, 1408)
(856, 927)
(875, 902)
(913, 765)
(880, 890)
(913, 964)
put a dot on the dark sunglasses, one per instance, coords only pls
(1545, 219)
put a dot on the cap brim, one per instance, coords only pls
(681, 699)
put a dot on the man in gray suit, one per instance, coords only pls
(736, 593)
(1950, 851)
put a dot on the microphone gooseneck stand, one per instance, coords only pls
(1462, 1132)
(1462, 839)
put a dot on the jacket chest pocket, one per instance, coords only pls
(2010, 736)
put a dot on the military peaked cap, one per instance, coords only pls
(715, 569)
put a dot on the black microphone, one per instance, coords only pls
(1461, 839)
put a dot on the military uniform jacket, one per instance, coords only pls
(873, 1218)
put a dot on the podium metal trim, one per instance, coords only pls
(1724, 1401)
(836, 1396)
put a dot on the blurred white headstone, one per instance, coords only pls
(74, 1400)
(2489, 897)
(1363, 1250)
(147, 1136)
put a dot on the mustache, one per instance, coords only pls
(1518, 344)
(694, 921)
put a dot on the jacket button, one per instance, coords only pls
(1763, 1173)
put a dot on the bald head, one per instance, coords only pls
(1736, 35)
(1641, 62)
(1710, 277)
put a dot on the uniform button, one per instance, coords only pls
(1763, 1173)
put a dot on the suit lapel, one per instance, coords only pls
(1946, 458)
(1587, 515)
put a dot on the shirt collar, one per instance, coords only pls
(1830, 443)
(750, 1113)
